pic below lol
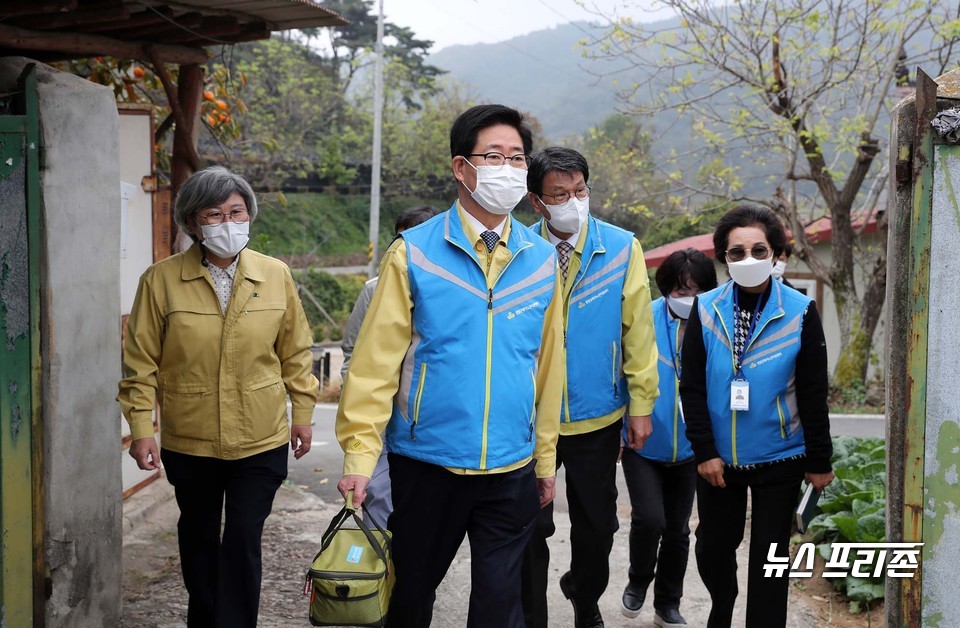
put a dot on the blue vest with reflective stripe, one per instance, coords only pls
(771, 429)
(668, 442)
(467, 389)
(595, 383)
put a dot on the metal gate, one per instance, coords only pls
(923, 352)
(21, 496)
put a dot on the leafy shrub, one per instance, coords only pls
(335, 293)
(853, 509)
(327, 228)
(858, 397)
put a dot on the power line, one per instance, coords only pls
(573, 23)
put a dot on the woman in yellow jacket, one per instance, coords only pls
(217, 336)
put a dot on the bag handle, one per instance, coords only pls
(341, 517)
(367, 515)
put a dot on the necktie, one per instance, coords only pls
(490, 238)
(563, 256)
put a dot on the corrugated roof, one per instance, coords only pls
(280, 14)
(90, 27)
(702, 243)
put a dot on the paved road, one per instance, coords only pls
(319, 471)
(865, 425)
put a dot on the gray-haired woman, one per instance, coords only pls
(217, 336)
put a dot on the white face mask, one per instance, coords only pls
(226, 239)
(750, 272)
(778, 269)
(570, 216)
(499, 190)
(680, 306)
(583, 209)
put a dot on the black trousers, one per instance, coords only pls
(222, 574)
(433, 509)
(591, 477)
(774, 492)
(661, 499)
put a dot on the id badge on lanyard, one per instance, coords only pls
(740, 387)
(740, 395)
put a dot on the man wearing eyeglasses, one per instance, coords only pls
(460, 363)
(611, 374)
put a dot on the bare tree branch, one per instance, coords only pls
(799, 90)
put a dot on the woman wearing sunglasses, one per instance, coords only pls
(754, 392)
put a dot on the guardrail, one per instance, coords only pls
(321, 364)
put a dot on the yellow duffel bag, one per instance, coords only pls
(351, 577)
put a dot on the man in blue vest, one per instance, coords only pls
(611, 373)
(459, 363)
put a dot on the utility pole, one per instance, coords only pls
(377, 128)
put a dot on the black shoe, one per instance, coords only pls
(584, 615)
(632, 600)
(668, 618)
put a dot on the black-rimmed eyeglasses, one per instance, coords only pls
(496, 160)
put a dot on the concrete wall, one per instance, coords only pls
(941, 526)
(80, 344)
(923, 428)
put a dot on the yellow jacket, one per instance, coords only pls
(366, 402)
(221, 380)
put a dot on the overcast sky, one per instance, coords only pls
(449, 22)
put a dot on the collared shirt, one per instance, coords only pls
(479, 227)
(223, 281)
(366, 402)
(572, 240)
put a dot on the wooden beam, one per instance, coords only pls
(160, 69)
(83, 45)
(101, 4)
(72, 19)
(185, 160)
(181, 114)
(206, 32)
(136, 20)
(162, 129)
(163, 225)
(35, 7)
(252, 32)
(153, 31)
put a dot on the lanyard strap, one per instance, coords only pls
(673, 353)
(736, 322)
